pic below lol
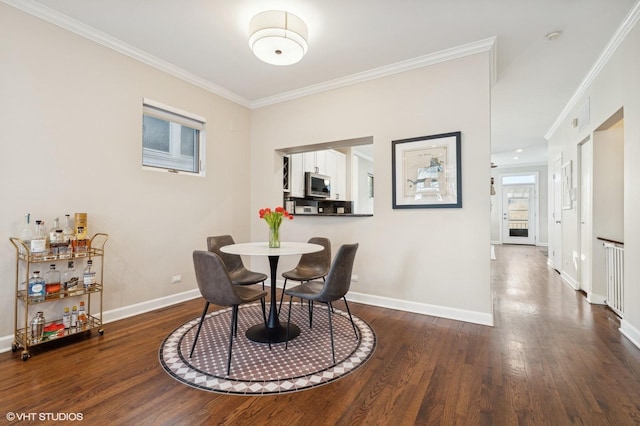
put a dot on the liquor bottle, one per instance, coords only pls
(66, 319)
(37, 327)
(81, 225)
(36, 287)
(26, 233)
(38, 244)
(89, 275)
(74, 317)
(70, 278)
(67, 232)
(53, 235)
(52, 280)
(82, 316)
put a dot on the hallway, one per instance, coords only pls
(562, 359)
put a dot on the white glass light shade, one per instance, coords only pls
(277, 37)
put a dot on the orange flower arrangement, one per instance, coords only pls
(274, 220)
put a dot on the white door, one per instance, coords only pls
(555, 251)
(586, 171)
(518, 214)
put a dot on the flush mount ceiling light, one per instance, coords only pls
(553, 35)
(277, 37)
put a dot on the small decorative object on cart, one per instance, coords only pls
(53, 331)
(274, 220)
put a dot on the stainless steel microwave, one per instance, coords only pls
(317, 185)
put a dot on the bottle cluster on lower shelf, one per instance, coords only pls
(74, 320)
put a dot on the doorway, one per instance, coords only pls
(519, 213)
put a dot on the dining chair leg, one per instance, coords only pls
(310, 302)
(264, 317)
(235, 315)
(204, 312)
(350, 317)
(286, 344)
(333, 352)
(234, 321)
(284, 287)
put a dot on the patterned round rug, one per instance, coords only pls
(256, 370)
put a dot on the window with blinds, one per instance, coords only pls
(172, 139)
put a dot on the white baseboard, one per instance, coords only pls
(148, 306)
(127, 311)
(538, 244)
(569, 280)
(630, 332)
(383, 302)
(596, 299)
(474, 317)
(496, 243)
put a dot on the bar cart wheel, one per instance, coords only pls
(25, 355)
(101, 331)
(14, 347)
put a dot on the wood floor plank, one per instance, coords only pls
(551, 358)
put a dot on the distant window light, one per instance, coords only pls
(517, 180)
(370, 184)
(172, 139)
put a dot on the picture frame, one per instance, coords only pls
(567, 182)
(427, 172)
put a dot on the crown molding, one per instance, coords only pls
(38, 10)
(486, 45)
(618, 37)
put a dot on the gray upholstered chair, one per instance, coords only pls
(216, 287)
(233, 262)
(311, 266)
(334, 288)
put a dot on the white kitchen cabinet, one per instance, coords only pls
(339, 181)
(328, 162)
(316, 162)
(296, 175)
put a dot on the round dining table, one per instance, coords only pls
(276, 332)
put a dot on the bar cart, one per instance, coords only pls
(26, 305)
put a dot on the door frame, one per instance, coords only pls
(532, 238)
(555, 230)
(536, 202)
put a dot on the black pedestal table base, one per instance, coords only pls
(277, 333)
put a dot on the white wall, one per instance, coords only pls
(70, 131)
(429, 260)
(616, 86)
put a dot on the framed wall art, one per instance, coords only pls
(426, 172)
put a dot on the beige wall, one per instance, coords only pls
(70, 120)
(616, 86)
(428, 260)
(70, 132)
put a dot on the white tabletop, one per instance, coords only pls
(263, 249)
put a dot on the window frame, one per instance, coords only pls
(177, 118)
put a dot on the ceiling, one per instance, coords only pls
(535, 77)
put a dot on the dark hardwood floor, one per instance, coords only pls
(550, 359)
